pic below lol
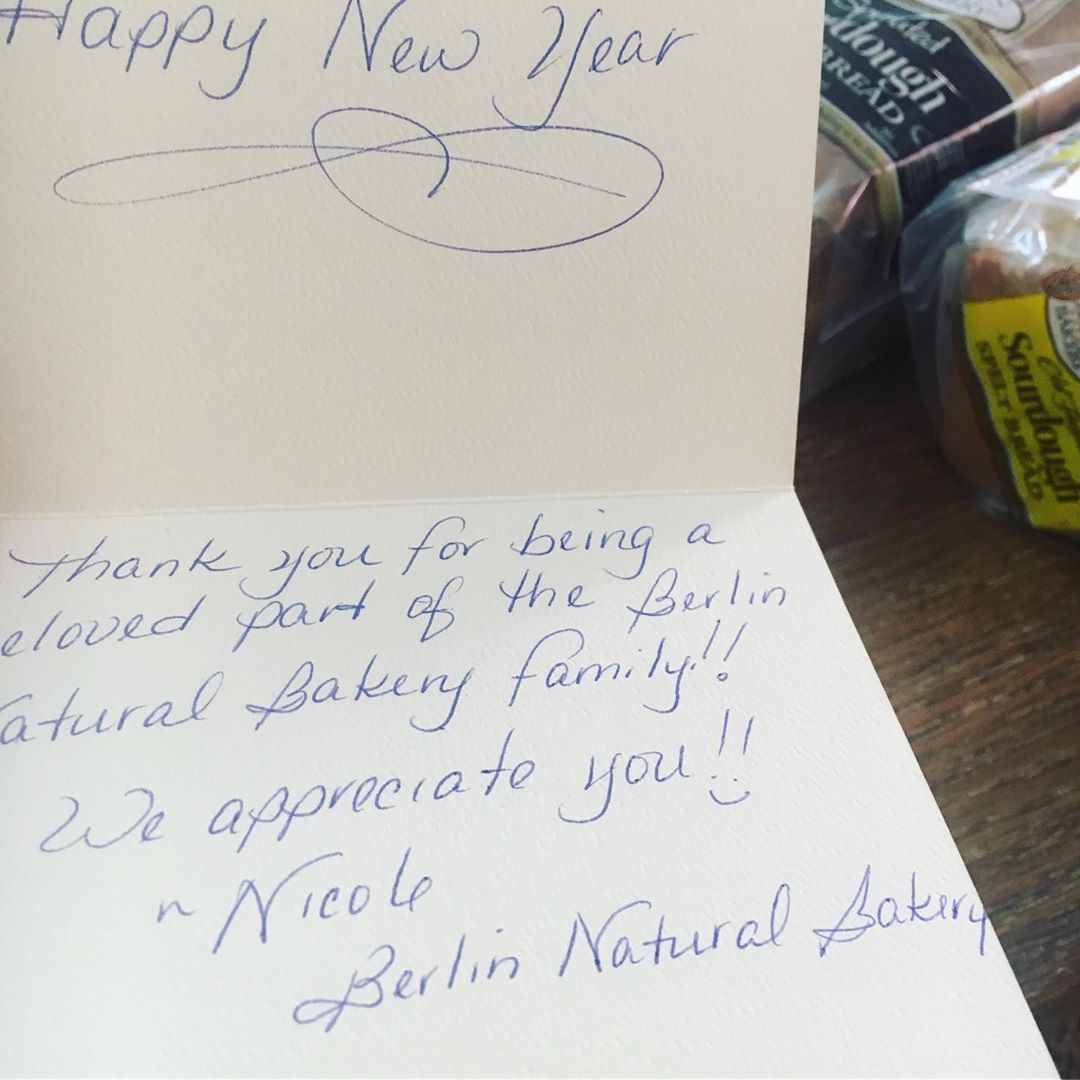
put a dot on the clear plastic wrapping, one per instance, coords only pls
(916, 93)
(991, 279)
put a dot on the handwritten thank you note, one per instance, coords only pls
(318, 785)
(490, 766)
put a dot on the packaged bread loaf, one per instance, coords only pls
(914, 94)
(991, 278)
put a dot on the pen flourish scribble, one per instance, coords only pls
(485, 190)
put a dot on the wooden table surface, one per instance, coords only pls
(974, 626)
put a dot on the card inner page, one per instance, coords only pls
(522, 787)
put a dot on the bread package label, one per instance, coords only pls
(1025, 352)
(900, 77)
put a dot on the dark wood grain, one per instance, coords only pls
(974, 626)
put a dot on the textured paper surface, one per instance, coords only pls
(271, 343)
(246, 757)
(758, 773)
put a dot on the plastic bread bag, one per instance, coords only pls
(991, 276)
(914, 95)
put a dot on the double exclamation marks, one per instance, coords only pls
(724, 675)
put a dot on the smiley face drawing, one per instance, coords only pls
(736, 793)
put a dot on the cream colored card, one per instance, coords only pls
(305, 337)
(590, 787)
(523, 763)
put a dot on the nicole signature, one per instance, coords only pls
(497, 190)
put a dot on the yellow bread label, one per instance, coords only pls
(1026, 354)
(1069, 154)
